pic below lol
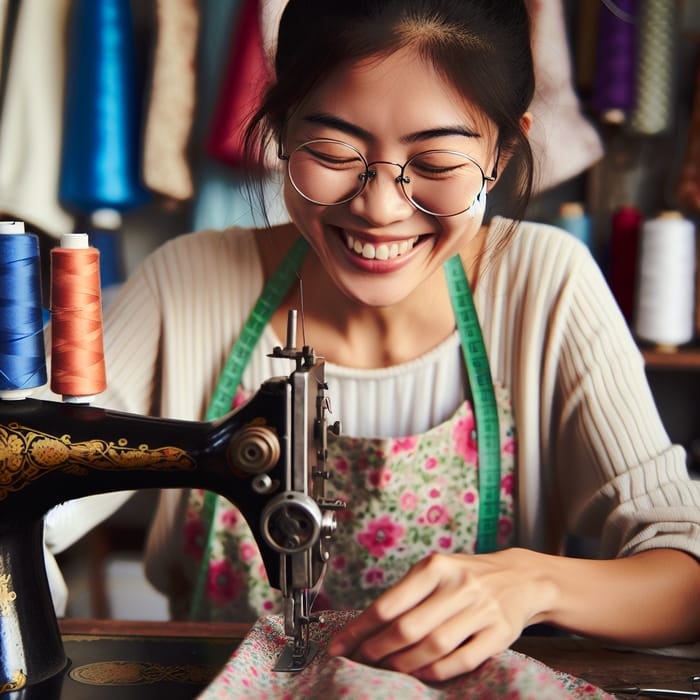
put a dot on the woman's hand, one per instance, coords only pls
(449, 614)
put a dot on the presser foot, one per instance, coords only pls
(294, 659)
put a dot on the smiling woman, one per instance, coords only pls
(492, 399)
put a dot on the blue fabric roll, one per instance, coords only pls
(100, 165)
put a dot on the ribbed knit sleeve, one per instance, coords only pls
(168, 332)
(594, 458)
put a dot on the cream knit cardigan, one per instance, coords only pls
(593, 458)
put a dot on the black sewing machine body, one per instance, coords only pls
(267, 458)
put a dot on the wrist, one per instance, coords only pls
(539, 587)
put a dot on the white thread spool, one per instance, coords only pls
(665, 299)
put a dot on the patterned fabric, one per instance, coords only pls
(657, 36)
(509, 675)
(171, 100)
(406, 498)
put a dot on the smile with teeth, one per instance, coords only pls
(382, 251)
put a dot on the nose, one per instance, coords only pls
(382, 200)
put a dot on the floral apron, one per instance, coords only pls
(406, 498)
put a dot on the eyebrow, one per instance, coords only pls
(335, 122)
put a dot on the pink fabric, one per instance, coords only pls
(507, 676)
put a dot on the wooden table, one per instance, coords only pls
(176, 660)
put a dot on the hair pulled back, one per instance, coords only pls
(481, 47)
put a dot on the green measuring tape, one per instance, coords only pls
(230, 379)
(485, 408)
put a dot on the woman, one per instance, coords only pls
(394, 121)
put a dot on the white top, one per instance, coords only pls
(593, 458)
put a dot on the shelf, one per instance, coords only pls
(685, 358)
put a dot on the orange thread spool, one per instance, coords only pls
(77, 349)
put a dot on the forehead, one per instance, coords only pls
(392, 94)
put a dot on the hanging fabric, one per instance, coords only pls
(657, 36)
(688, 188)
(171, 101)
(100, 165)
(221, 196)
(241, 90)
(564, 141)
(31, 122)
(614, 79)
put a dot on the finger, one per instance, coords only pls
(408, 632)
(413, 589)
(439, 641)
(467, 657)
(438, 629)
(415, 625)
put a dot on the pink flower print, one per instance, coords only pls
(436, 515)
(229, 518)
(505, 527)
(408, 501)
(341, 465)
(470, 496)
(381, 535)
(224, 583)
(509, 446)
(406, 444)
(248, 551)
(445, 542)
(380, 476)
(463, 439)
(374, 576)
(434, 493)
(193, 532)
(239, 398)
(507, 484)
(430, 463)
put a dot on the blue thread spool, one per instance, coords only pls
(573, 218)
(100, 164)
(22, 357)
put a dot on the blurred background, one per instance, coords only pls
(122, 119)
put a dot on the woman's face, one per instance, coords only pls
(378, 248)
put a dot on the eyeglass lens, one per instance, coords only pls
(331, 172)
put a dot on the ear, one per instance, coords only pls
(504, 155)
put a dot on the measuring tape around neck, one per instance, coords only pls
(478, 372)
(484, 403)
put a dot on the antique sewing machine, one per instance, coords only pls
(267, 458)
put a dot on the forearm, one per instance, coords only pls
(649, 599)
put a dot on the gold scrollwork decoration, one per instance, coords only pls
(140, 673)
(7, 595)
(27, 454)
(17, 682)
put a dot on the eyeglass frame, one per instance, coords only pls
(400, 179)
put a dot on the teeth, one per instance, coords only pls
(383, 251)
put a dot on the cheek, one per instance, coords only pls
(297, 206)
(306, 216)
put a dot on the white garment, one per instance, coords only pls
(31, 124)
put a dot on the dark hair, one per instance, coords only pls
(482, 47)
